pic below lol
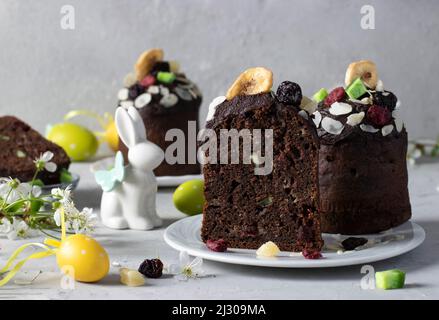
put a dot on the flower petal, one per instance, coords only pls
(47, 156)
(184, 258)
(50, 166)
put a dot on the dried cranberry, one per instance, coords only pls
(379, 116)
(149, 80)
(335, 95)
(309, 254)
(351, 243)
(151, 268)
(385, 99)
(290, 93)
(217, 245)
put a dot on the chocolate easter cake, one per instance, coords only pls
(246, 209)
(166, 99)
(363, 145)
(20, 145)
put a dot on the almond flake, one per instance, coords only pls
(303, 114)
(317, 118)
(379, 87)
(340, 108)
(355, 118)
(212, 107)
(368, 128)
(123, 94)
(332, 126)
(387, 130)
(169, 100)
(143, 100)
(153, 90)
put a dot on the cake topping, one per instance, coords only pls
(146, 62)
(289, 93)
(212, 106)
(387, 129)
(268, 249)
(142, 100)
(379, 116)
(217, 245)
(250, 82)
(335, 95)
(129, 80)
(174, 66)
(355, 118)
(386, 99)
(165, 77)
(340, 108)
(356, 89)
(149, 80)
(123, 94)
(332, 126)
(317, 118)
(320, 95)
(169, 100)
(363, 69)
(304, 114)
(368, 128)
(308, 105)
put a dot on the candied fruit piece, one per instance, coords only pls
(390, 279)
(320, 95)
(268, 249)
(165, 77)
(356, 89)
(131, 278)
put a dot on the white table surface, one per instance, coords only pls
(233, 281)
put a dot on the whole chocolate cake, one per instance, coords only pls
(246, 209)
(362, 160)
(166, 100)
(20, 145)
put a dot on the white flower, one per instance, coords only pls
(18, 229)
(64, 196)
(43, 162)
(12, 190)
(187, 269)
(5, 226)
(76, 221)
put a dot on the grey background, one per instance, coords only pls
(46, 71)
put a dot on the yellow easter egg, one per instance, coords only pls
(111, 136)
(83, 258)
(78, 142)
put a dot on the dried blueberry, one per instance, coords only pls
(217, 245)
(290, 93)
(161, 66)
(135, 91)
(151, 268)
(351, 243)
(385, 99)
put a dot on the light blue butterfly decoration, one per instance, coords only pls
(110, 179)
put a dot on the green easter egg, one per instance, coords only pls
(189, 197)
(79, 142)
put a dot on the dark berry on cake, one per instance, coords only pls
(246, 209)
(290, 93)
(20, 145)
(362, 158)
(166, 100)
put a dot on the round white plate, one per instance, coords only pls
(163, 181)
(184, 235)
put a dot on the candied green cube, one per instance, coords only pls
(320, 95)
(165, 77)
(356, 89)
(390, 279)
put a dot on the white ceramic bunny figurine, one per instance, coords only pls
(131, 202)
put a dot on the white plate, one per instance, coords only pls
(163, 181)
(184, 235)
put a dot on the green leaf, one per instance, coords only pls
(38, 183)
(66, 176)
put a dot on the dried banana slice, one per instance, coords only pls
(146, 61)
(364, 69)
(252, 81)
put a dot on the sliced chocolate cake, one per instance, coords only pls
(363, 146)
(20, 145)
(166, 100)
(244, 207)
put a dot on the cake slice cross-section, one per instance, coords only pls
(246, 208)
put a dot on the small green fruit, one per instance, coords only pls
(189, 197)
(165, 77)
(356, 89)
(79, 142)
(390, 279)
(320, 95)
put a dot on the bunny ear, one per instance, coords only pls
(138, 123)
(126, 128)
